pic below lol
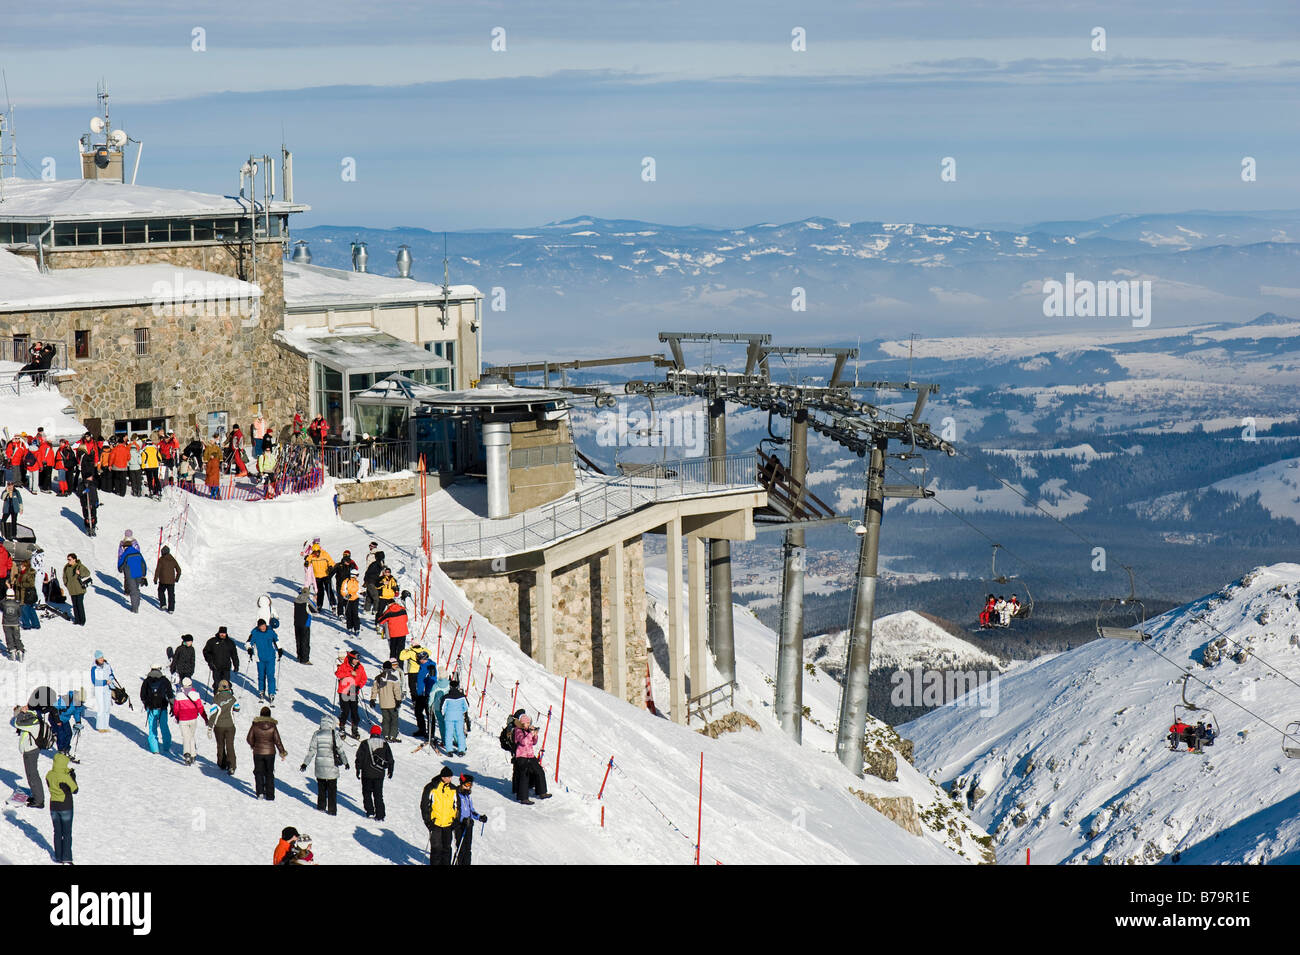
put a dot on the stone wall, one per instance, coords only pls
(582, 616)
(223, 361)
(354, 492)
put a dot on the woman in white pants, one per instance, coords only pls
(101, 678)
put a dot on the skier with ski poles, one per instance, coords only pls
(266, 642)
(463, 827)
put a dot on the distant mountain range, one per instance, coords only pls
(859, 279)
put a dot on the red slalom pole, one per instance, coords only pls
(487, 675)
(699, 822)
(542, 752)
(472, 645)
(514, 700)
(559, 743)
(608, 767)
(451, 649)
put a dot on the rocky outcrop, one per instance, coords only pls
(733, 722)
(900, 810)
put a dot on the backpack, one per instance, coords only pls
(155, 698)
(44, 736)
(507, 737)
(29, 460)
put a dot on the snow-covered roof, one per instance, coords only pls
(90, 199)
(495, 395)
(314, 287)
(359, 351)
(400, 390)
(24, 288)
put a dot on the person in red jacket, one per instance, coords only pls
(48, 464)
(351, 676)
(394, 620)
(986, 615)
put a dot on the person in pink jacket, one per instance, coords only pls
(528, 771)
(187, 708)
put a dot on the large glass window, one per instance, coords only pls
(329, 397)
(110, 233)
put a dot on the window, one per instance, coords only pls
(144, 394)
(22, 346)
(81, 343)
(141, 345)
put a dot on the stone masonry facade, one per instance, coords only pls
(582, 615)
(222, 360)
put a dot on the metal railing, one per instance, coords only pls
(608, 497)
(16, 382)
(702, 706)
(356, 461)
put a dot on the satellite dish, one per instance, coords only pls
(118, 138)
(96, 124)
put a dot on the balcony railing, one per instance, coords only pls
(608, 498)
(356, 461)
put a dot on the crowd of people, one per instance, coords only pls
(173, 698)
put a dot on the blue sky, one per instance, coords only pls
(448, 134)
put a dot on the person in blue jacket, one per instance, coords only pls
(71, 710)
(266, 642)
(131, 563)
(440, 687)
(426, 677)
(454, 709)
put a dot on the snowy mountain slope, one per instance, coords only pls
(1277, 484)
(943, 821)
(901, 641)
(1074, 764)
(234, 551)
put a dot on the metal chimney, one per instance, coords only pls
(404, 261)
(301, 253)
(359, 257)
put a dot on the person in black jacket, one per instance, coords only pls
(156, 694)
(371, 581)
(342, 571)
(88, 491)
(182, 664)
(374, 759)
(304, 605)
(222, 656)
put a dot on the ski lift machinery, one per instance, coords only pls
(1027, 608)
(1137, 632)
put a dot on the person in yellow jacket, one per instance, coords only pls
(350, 591)
(149, 461)
(438, 810)
(321, 565)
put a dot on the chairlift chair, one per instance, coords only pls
(1111, 605)
(1209, 722)
(1291, 740)
(1027, 608)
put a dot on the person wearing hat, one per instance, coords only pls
(426, 679)
(222, 656)
(387, 692)
(264, 739)
(187, 708)
(350, 601)
(466, 816)
(300, 852)
(326, 752)
(374, 761)
(438, 810)
(351, 677)
(528, 771)
(166, 575)
(182, 664)
(342, 571)
(266, 642)
(303, 608)
(156, 694)
(221, 724)
(102, 679)
(455, 719)
(396, 625)
(409, 661)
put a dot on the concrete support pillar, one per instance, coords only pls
(676, 674)
(789, 660)
(699, 611)
(721, 637)
(545, 620)
(618, 619)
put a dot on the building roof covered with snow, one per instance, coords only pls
(24, 288)
(359, 350)
(314, 287)
(86, 199)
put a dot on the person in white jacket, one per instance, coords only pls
(102, 679)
